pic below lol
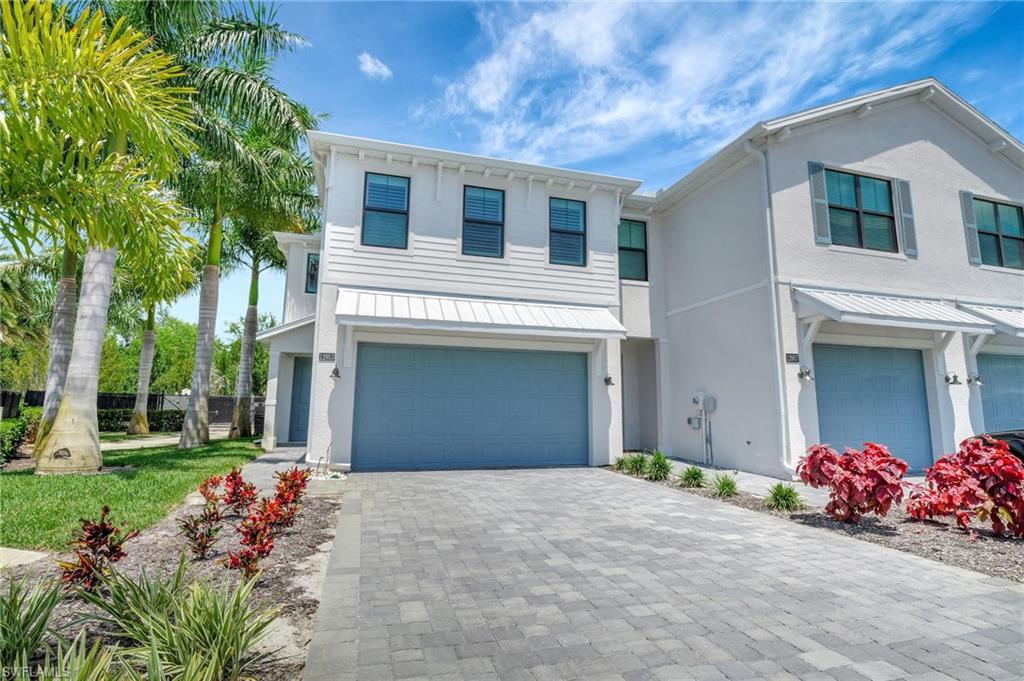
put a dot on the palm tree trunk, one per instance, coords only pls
(62, 329)
(241, 418)
(73, 443)
(195, 430)
(140, 417)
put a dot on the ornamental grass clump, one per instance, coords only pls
(783, 497)
(24, 620)
(658, 467)
(692, 477)
(859, 482)
(636, 464)
(724, 486)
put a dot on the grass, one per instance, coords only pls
(124, 437)
(41, 512)
(724, 485)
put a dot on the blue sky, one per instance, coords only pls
(638, 90)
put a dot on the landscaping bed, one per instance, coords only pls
(938, 539)
(41, 512)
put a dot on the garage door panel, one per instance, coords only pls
(433, 407)
(1002, 392)
(873, 395)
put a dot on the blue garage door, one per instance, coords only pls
(1002, 391)
(430, 407)
(873, 395)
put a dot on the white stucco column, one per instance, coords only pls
(606, 403)
(663, 385)
(269, 440)
(322, 383)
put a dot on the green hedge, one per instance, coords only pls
(160, 420)
(12, 434)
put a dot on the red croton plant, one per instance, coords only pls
(983, 479)
(859, 482)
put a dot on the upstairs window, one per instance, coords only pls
(633, 250)
(483, 222)
(1000, 234)
(386, 211)
(860, 211)
(312, 271)
(567, 240)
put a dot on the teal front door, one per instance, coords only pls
(423, 408)
(299, 420)
(873, 395)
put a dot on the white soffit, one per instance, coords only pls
(282, 329)
(362, 307)
(1008, 320)
(880, 310)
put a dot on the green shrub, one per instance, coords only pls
(31, 415)
(783, 497)
(12, 434)
(724, 485)
(636, 464)
(160, 420)
(620, 463)
(25, 619)
(693, 476)
(659, 467)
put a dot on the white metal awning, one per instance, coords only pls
(883, 310)
(363, 307)
(1008, 320)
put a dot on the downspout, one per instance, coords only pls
(769, 228)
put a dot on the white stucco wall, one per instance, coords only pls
(297, 302)
(639, 394)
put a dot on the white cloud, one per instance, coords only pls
(580, 81)
(373, 68)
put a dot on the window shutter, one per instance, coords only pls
(819, 196)
(906, 213)
(970, 228)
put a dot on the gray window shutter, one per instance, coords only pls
(970, 228)
(819, 197)
(906, 209)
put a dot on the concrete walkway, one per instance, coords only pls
(534, 575)
(218, 431)
(759, 485)
(260, 471)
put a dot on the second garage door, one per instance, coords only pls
(420, 407)
(1002, 392)
(873, 395)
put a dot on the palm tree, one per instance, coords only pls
(75, 94)
(288, 205)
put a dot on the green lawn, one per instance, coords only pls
(41, 512)
(122, 437)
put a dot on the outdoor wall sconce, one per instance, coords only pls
(974, 379)
(952, 378)
(804, 374)
(335, 374)
(608, 380)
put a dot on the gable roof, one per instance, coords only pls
(928, 89)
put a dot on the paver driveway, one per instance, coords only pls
(584, 573)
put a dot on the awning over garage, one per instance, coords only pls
(1008, 320)
(883, 310)
(364, 307)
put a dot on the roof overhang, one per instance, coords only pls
(1007, 320)
(390, 309)
(883, 310)
(283, 329)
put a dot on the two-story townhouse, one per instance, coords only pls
(847, 273)
(455, 311)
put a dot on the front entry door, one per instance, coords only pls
(299, 421)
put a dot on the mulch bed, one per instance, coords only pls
(290, 579)
(939, 540)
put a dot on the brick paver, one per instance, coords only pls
(588, 574)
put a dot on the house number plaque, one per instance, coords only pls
(326, 356)
(791, 358)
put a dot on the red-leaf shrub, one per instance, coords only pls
(209, 489)
(201, 530)
(291, 484)
(859, 482)
(98, 545)
(247, 560)
(981, 479)
(239, 495)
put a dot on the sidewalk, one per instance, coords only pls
(260, 471)
(758, 485)
(218, 431)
